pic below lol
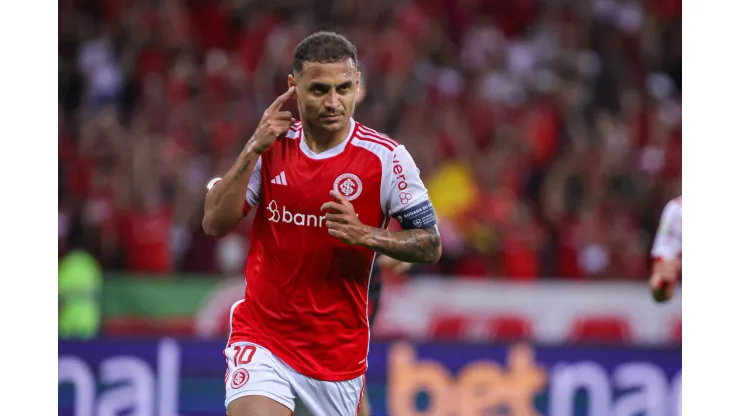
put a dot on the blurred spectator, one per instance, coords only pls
(548, 132)
(97, 64)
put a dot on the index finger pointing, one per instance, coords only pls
(279, 101)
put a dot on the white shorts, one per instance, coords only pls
(254, 371)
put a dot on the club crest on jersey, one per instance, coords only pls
(241, 376)
(348, 185)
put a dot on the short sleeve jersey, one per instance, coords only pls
(306, 298)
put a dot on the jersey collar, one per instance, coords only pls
(330, 152)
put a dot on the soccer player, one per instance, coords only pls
(323, 190)
(666, 252)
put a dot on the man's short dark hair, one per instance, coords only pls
(323, 47)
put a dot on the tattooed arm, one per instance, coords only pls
(407, 202)
(421, 245)
(224, 204)
(415, 245)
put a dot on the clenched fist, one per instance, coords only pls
(342, 221)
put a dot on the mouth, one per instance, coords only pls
(331, 118)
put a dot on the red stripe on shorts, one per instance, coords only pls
(362, 393)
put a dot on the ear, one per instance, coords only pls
(292, 81)
(360, 88)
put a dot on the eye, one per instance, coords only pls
(318, 90)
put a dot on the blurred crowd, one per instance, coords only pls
(548, 132)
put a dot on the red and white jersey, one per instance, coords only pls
(307, 292)
(667, 245)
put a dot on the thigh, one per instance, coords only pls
(256, 406)
(327, 398)
(254, 385)
(364, 407)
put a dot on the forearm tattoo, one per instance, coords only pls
(421, 245)
(243, 168)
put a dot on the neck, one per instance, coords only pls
(320, 140)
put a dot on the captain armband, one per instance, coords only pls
(420, 215)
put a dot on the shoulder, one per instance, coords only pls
(381, 145)
(366, 133)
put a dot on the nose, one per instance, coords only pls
(332, 101)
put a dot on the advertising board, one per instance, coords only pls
(548, 312)
(169, 377)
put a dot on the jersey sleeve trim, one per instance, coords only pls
(254, 188)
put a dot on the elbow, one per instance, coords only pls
(433, 251)
(211, 228)
(219, 224)
(434, 255)
(437, 254)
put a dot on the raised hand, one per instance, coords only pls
(274, 123)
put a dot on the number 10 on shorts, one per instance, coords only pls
(240, 352)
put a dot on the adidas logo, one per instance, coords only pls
(279, 179)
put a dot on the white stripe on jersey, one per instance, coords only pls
(293, 134)
(366, 133)
(375, 139)
(366, 129)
